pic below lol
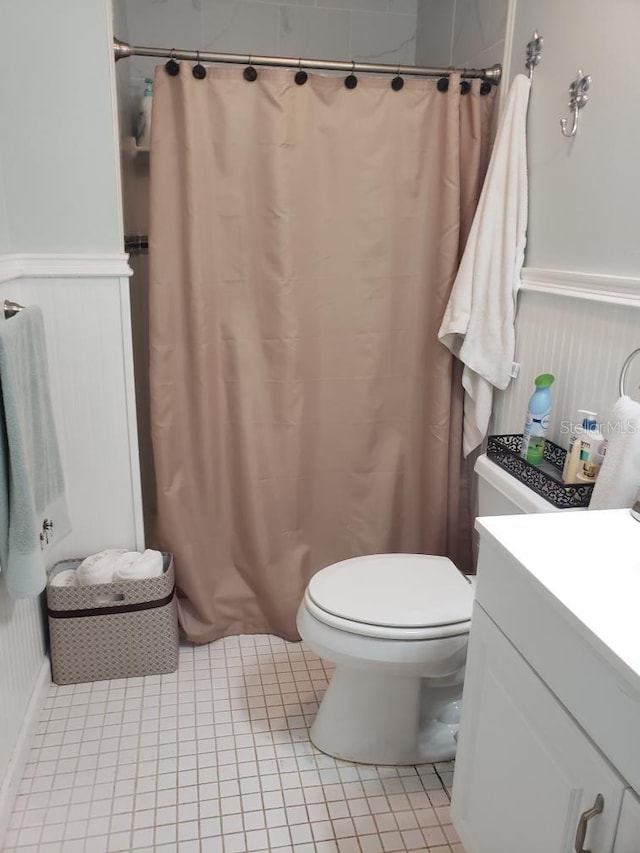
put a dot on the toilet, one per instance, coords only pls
(396, 626)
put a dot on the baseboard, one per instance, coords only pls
(15, 769)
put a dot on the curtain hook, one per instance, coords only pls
(172, 67)
(198, 70)
(351, 81)
(397, 83)
(465, 85)
(250, 74)
(301, 76)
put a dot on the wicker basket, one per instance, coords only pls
(112, 630)
(544, 479)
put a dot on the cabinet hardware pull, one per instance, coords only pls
(585, 817)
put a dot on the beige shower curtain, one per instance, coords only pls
(303, 242)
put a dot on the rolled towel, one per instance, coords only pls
(67, 577)
(99, 568)
(141, 566)
(123, 568)
(619, 477)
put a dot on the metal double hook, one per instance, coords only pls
(577, 99)
(534, 49)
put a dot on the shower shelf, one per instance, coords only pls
(546, 478)
(133, 146)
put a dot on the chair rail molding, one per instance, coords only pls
(14, 266)
(594, 287)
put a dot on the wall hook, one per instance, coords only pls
(577, 99)
(534, 49)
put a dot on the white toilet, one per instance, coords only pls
(395, 626)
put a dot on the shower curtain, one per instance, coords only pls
(303, 242)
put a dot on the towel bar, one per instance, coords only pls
(625, 368)
(11, 308)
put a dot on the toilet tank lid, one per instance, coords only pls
(394, 590)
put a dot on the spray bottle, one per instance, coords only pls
(537, 423)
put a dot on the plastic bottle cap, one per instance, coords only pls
(589, 422)
(544, 380)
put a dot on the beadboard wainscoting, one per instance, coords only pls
(85, 302)
(580, 327)
(24, 685)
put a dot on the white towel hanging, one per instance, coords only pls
(478, 325)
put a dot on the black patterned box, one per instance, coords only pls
(545, 478)
(112, 630)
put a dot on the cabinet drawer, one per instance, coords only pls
(565, 654)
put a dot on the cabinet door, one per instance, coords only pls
(628, 835)
(525, 771)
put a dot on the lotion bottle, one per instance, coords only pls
(591, 442)
(572, 459)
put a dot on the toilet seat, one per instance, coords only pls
(392, 596)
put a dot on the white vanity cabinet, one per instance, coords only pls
(551, 704)
(628, 835)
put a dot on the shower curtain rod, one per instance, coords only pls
(122, 50)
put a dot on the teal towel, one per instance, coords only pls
(33, 511)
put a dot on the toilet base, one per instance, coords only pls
(379, 718)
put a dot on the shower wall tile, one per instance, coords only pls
(434, 32)
(370, 5)
(396, 42)
(314, 32)
(478, 32)
(234, 26)
(170, 23)
(324, 29)
(404, 7)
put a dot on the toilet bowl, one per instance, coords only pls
(396, 628)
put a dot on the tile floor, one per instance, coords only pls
(215, 758)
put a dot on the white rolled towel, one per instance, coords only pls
(136, 566)
(98, 568)
(66, 577)
(619, 477)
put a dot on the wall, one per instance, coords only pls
(463, 33)
(583, 211)
(59, 189)
(61, 248)
(578, 314)
(4, 221)
(584, 345)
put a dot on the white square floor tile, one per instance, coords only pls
(216, 758)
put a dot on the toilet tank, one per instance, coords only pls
(499, 493)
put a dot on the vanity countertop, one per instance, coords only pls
(589, 562)
(565, 589)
